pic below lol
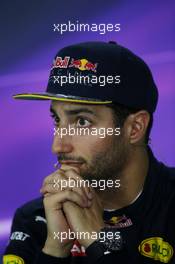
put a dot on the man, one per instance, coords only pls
(94, 87)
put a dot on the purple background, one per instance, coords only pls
(28, 45)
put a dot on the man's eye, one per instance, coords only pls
(55, 119)
(82, 122)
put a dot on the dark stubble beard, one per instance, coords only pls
(109, 163)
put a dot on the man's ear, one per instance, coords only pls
(137, 124)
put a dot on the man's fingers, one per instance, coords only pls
(53, 201)
(79, 183)
(50, 189)
(65, 167)
(60, 172)
(53, 177)
(67, 178)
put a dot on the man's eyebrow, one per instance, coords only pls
(74, 111)
(78, 111)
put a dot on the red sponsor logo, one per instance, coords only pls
(81, 64)
(119, 222)
(59, 62)
(77, 249)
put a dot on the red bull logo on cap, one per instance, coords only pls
(81, 64)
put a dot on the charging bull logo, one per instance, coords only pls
(83, 65)
(119, 222)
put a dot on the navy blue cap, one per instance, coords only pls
(99, 73)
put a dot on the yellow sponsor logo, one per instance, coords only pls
(12, 259)
(156, 249)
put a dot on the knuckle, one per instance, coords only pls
(45, 180)
(60, 171)
(69, 172)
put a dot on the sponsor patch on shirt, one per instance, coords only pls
(119, 222)
(12, 259)
(19, 236)
(77, 249)
(157, 249)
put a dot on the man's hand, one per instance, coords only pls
(53, 205)
(82, 219)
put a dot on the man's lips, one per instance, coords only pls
(71, 162)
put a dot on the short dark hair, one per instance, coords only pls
(121, 112)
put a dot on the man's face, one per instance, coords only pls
(97, 158)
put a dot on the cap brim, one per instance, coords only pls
(60, 97)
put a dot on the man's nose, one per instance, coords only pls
(62, 144)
